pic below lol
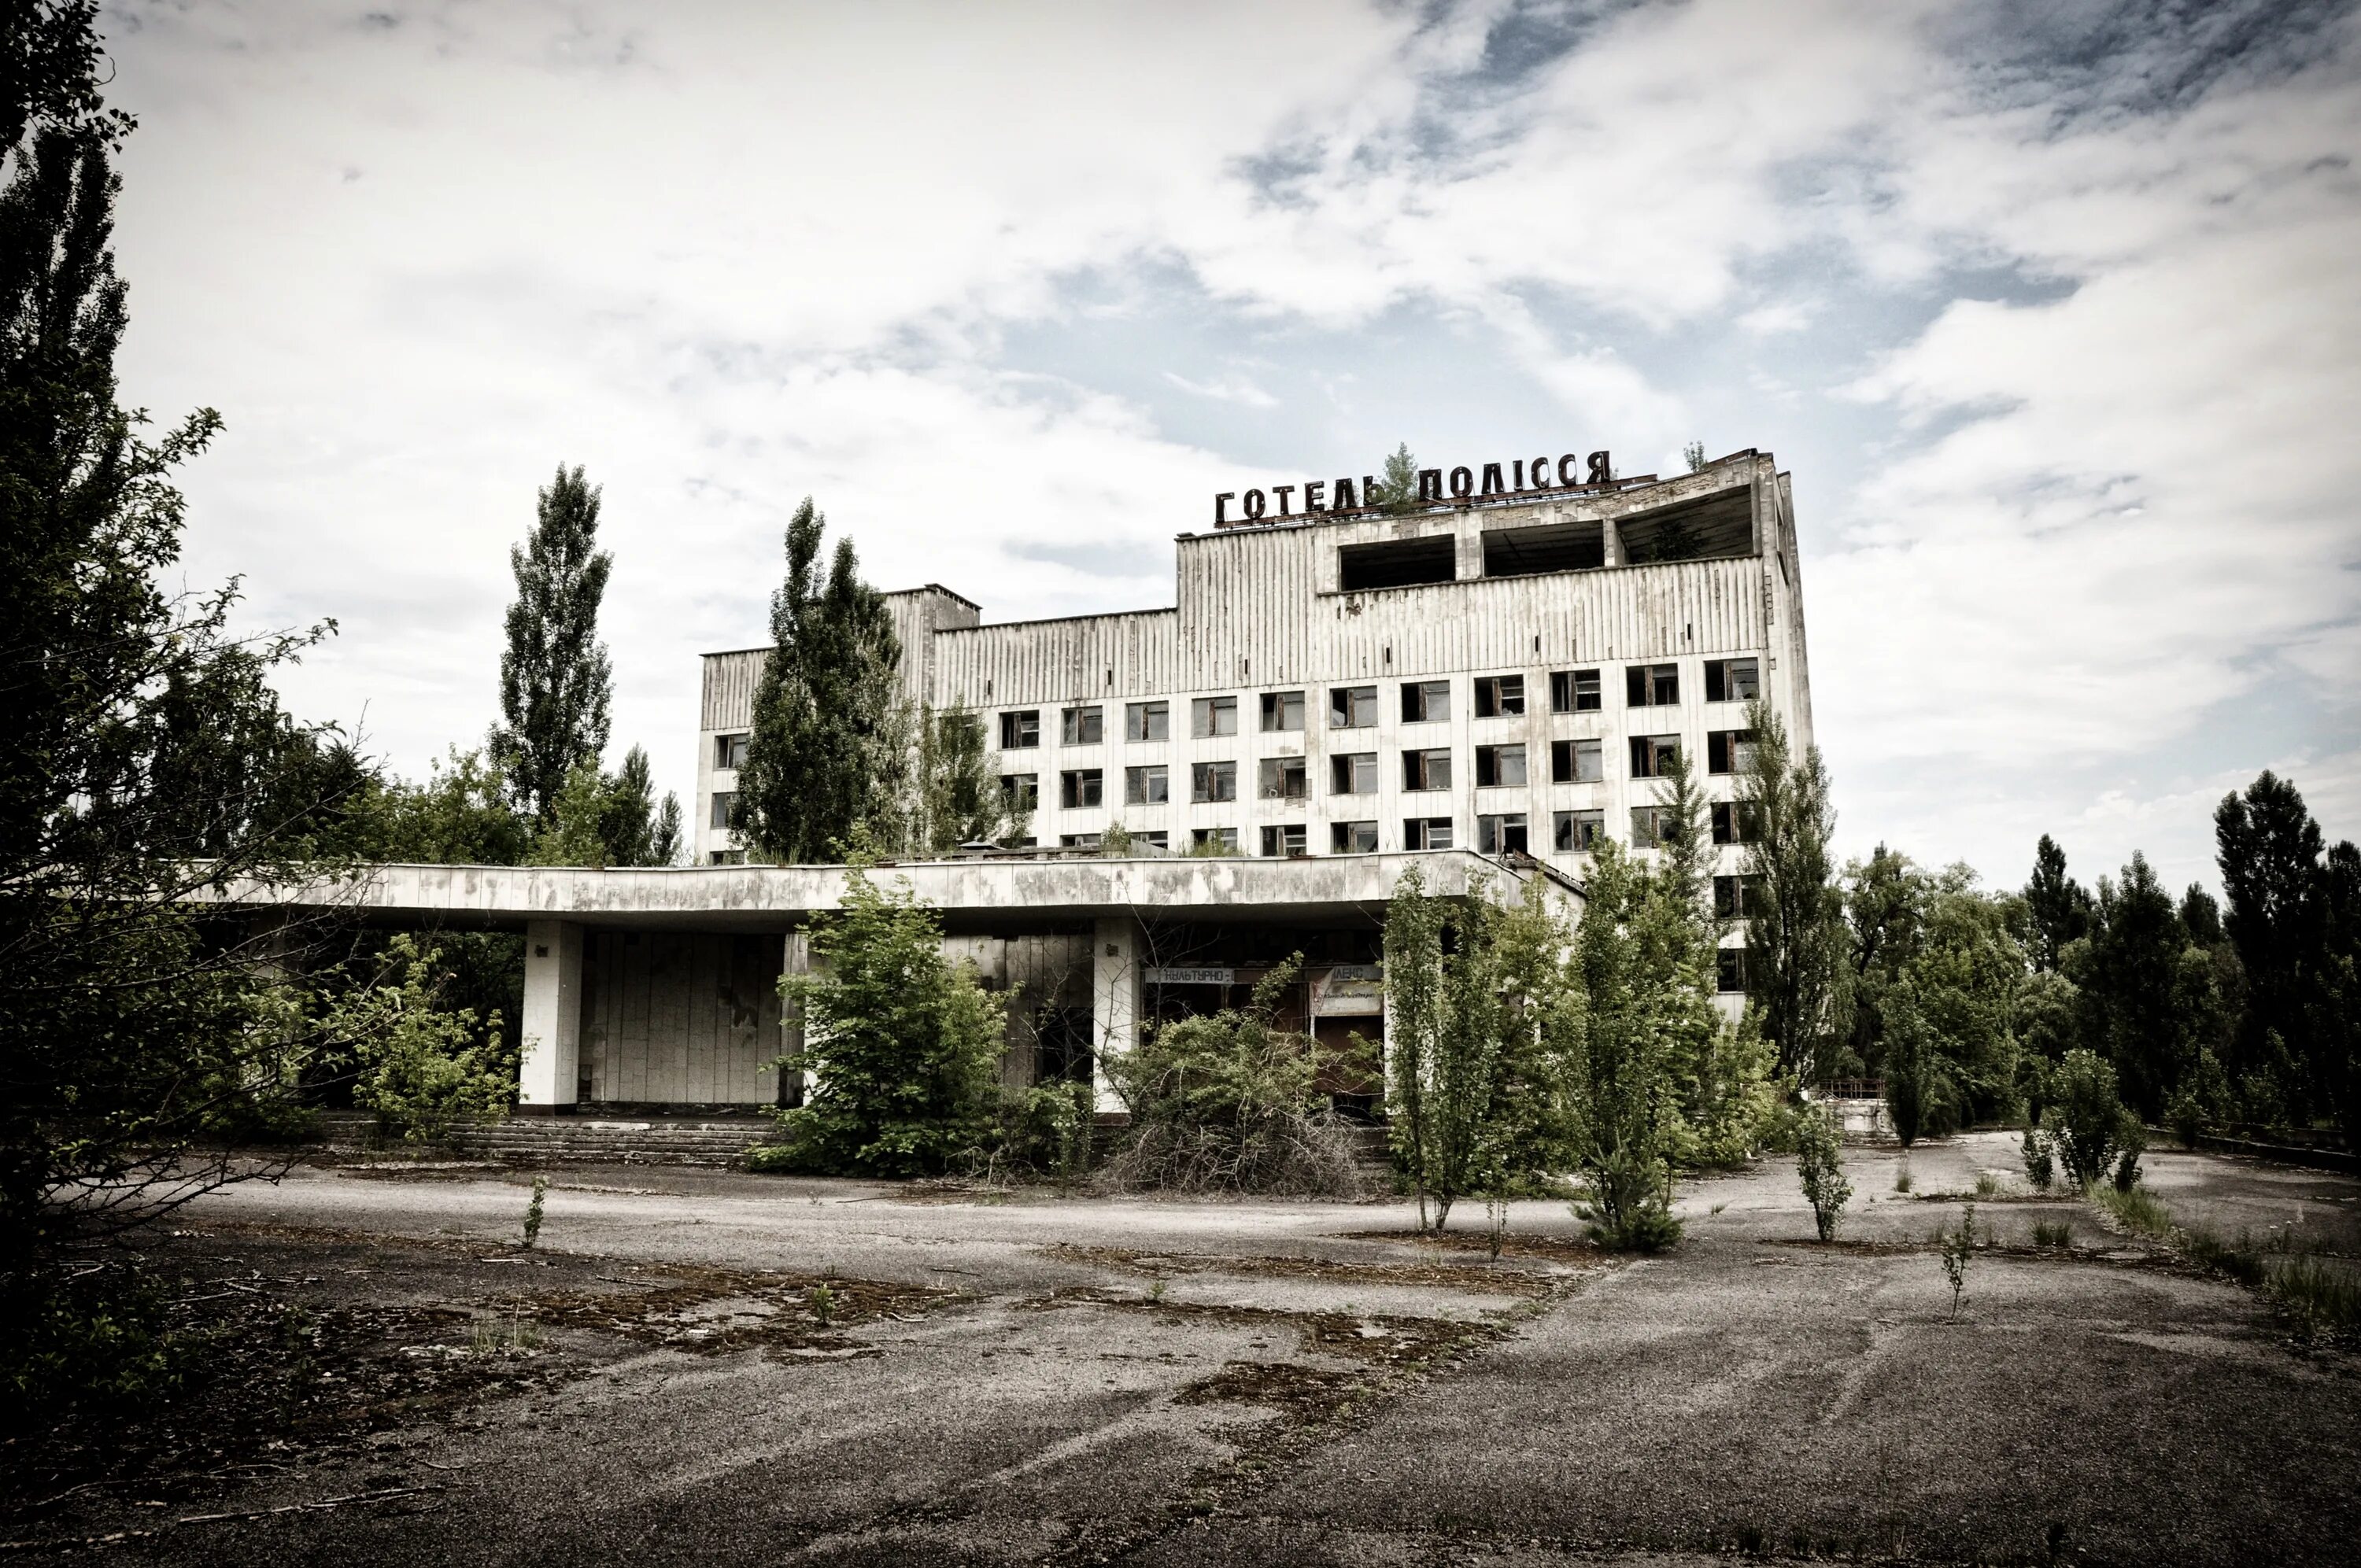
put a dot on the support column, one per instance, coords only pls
(1118, 982)
(794, 1088)
(551, 1027)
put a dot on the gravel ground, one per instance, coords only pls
(697, 1366)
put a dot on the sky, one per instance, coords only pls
(2052, 312)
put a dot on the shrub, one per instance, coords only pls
(2133, 1140)
(93, 1340)
(2323, 1292)
(2136, 1209)
(1987, 1184)
(2085, 1118)
(533, 1211)
(2040, 1169)
(1958, 1248)
(1902, 1173)
(1228, 1102)
(1819, 1163)
(422, 1066)
(2052, 1232)
(1626, 1201)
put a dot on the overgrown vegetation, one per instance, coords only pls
(1956, 1248)
(1820, 1165)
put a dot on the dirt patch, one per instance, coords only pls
(1556, 1249)
(1477, 1278)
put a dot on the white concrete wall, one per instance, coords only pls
(549, 1073)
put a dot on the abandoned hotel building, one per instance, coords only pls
(1484, 685)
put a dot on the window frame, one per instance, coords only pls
(1494, 829)
(1020, 792)
(1417, 832)
(1499, 697)
(1344, 702)
(1275, 706)
(1648, 752)
(1073, 723)
(1569, 687)
(1201, 776)
(1422, 694)
(1205, 715)
(1718, 683)
(1499, 757)
(1139, 718)
(1139, 776)
(1278, 768)
(1342, 837)
(1014, 730)
(1276, 833)
(1418, 777)
(1081, 789)
(1349, 766)
(1565, 829)
(730, 751)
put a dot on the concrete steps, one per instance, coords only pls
(587, 1139)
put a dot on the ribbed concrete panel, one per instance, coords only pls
(685, 1016)
(729, 680)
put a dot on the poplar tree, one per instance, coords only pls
(554, 679)
(2058, 907)
(1795, 932)
(828, 748)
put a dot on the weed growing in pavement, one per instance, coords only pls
(1901, 1175)
(1987, 1184)
(1496, 1223)
(1819, 1163)
(2324, 1292)
(2053, 1233)
(503, 1336)
(2136, 1211)
(1958, 1247)
(1156, 1288)
(533, 1211)
(2320, 1293)
(823, 1303)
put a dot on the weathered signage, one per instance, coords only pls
(1348, 991)
(1199, 974)
(1331, 497)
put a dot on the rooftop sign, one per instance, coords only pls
(1331, 497)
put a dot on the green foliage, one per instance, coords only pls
(2085, 1120)
(422, 1066)
(2134, 1139)
(1228, 1102)
(2040, 1168)
(959, 798)
(2136, 1208)
(460, 816)
(2058, 908)
(2053, 1233)
(1820, 1165)
(1795, 939)
(1397, 490)
(829, 750)
(2128, 972)
(903, 1043)
(533, 1211)
(1958, 1249)
(556, 683)
(93, 1341)
(602, 819)
(1638, 954)
(1694, 456)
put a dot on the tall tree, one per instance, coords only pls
(829, 749)
(1795, 934)
(2056, 906)
(2128, 972)
(2268, 851)
(555, 680)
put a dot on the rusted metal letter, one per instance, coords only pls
(1493, 483)
(1429, 484)
(1251, 504)
(1315, 496)
(1463, 483)
(1282, 492)
(1541, 473)
(1221, 507)
(1345, 501)
(1567, 467)
(1601, 471)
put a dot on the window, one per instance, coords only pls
(1500, 767)
(1573, 691)
(1729, 969)
(1020, 792)
(1147, 787)
(1496, 696)
(1213, 715)
(1652, 826)
(1081, 786)
(1577, 831)
(1283, 779)
(1731, 680)
(1736, 897)
(1577, 762)
(725, 808)
(1019, 731)
(1147, 721)
(1732, 823)
(1425, 702)
(1652, 685)
(1652, 756)
(1077, 840)
(1553, 547)
(1082, 726)
(1501, 835)
(1213, 780)
(1426, 833)
(1729, 750)
(726, 857)
(1223, 838)
(730, 751)
(1397, 563)
(1426, 770)
(1287, 838)
(1283, 711)
(1158, 836)
(1354, 773)
(1352, 708)
(1353, 838)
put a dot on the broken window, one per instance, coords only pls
(1577, 762)
(1398, 562)
(1081, 786)
(1287, 838)
(726, 857)
(1018, 730)
(1652, 826)
(1211, 716)
(1077, 840)
(1652, 685)
(1575, 832)
(725, 808)
(1213, 780)
(1733, 822)
(1082, 726)
(1496, 696)
(1226, 839)
(1426, 770)
(1352, 708)
(1426, 833)
(1353, 838)
(1021, 792)
(1729, 750)
(1147, 721)
(1551, 547)
(1573, 691)
(1736, 897)
(1500, 767)
(1501, 835)
(1353, 772)
(1652, 756)
(1150, 785)
(1425, 702)
(730, 751)
(1729, 969)
(1283, 711)
(1730, 680)
(1282, 779)
(1159, 837)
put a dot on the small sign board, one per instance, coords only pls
(1348, 991)
(1178, 974)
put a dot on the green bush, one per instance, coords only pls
(1626, 1201)
(2040, 1168)
(92, 1341)
(1819, 1163)
(422, 1066)
(2085, 1119)
(2132, 1143)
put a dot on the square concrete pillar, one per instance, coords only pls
(552, 1029)
(794, 1088)
(1119, 985)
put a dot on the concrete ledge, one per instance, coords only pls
(2341, 1160)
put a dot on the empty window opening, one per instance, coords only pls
(730, 751)
(1079, 787)
(1736, 897)
(1020, 792)
(1653, 826)
(1578, 832)
(1426, 833)
(1554, 547)
(1501, 835)
(1082, 726)
(1733, 823)
(1283, 778)
(1353, 838)
(1210, 715)
(1282, 711)
(1224, 840)
(1653, 756)
(1500, 767)
(1077, 840)
(1496, 696)
(1352, 708)
(1729, 969)
(1425, 702)
(1021, 729)
(1398, 562)
(1652, 685)
(1150, 785)
(1729, 750)
(1285, 838)
(1731, 680)
(1353, 772)
(725, 809)
(1718, 526)
(1213, 780)
(1577, 762)
(1573, 691)
(1426, 770)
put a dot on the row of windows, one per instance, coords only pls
(1498, 833)
(1355, 773)
(1355, 707)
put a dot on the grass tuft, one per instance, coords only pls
(2053, 1233)
(2137, 1210)
(2325, 1293)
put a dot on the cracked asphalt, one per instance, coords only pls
(1052, 1380)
